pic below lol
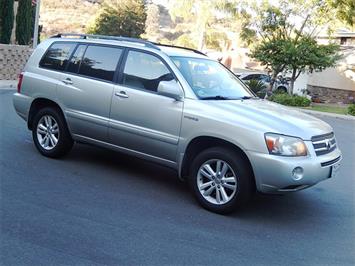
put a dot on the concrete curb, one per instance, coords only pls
(311, 112)
(8, 84)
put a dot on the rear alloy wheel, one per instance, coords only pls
(221, 179)
(50, 133)
(47, 132)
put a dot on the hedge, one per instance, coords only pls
(290, 100)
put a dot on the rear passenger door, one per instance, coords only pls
(86, 89)
(141, 119)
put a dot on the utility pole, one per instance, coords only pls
(35, 32)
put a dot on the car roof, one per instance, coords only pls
(169, 50)
(176, 51)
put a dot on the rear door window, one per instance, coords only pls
(57, 56)
(100, 62)
(75, 61)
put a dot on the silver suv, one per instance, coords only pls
(173, 106)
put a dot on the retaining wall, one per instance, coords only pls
(12, 60)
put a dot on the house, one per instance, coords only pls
(341, 37)
(336, 85)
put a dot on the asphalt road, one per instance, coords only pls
(98, 207)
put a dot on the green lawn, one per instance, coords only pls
(329, 109)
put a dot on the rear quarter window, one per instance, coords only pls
(57, 56)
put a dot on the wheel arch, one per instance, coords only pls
(200, 143)
(282, 87)
(37, 105)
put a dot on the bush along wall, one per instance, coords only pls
(351, 109)
(290, 100)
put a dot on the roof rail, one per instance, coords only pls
(180, 47)
(146, 43)
(107, 37)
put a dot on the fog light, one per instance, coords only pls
(297, 173)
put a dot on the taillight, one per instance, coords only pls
(20, 77)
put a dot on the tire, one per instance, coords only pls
(237, 166)
(42, 132)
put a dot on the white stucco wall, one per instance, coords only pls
(333, 78)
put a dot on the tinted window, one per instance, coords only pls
(100, 62)
(57, 56)
(75, 61)
(248, 77)
(145, 71)
(265, 78)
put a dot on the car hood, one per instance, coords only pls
(270, 117)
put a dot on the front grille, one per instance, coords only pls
(324, 144)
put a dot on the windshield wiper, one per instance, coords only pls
(246, 97)
(217, 97)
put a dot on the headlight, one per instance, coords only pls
(285, 145)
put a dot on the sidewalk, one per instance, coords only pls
(311, 112)
(8, 84)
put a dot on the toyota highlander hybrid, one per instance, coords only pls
(174, 106)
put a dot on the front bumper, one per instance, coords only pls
(273, 174)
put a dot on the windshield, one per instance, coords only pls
(211, 80)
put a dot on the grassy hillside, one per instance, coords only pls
(66, 16)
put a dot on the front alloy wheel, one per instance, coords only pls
(221, 179)
(217, 181)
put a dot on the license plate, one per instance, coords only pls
(335, 170)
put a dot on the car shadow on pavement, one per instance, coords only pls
(285, 209)
(124, 166)
(279, 209)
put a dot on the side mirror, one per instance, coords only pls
(170, 89)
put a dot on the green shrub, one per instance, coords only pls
(351, 109)
(120, 18)
(24, 22)
(258, 87)
(255, 85)
(6, 20)
(290, 100)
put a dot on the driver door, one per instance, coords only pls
(141, 120)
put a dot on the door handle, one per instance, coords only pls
(121, 94)
(67, 81)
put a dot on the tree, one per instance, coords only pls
(7, 20)
(287, 45)
(306, 55)
(120, 18)
(287, 18)
(198, 14)
(152, 22)
(272, 55)
(24, 22)
(345, 10)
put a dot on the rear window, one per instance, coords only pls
(57, 56)
(100, 62)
